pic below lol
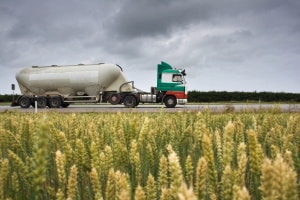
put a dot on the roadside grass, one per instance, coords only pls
(241, 102)
(5, 103)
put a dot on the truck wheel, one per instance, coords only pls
(54, 102)
(130, 101)
(64, 105)
(114, 99)
(170, 101)
(41, 102)
(24, 102)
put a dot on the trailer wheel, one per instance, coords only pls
(114, 99)
(130, 101)
(24, 102)
(170, 101)
(54, 102)
(41, 102)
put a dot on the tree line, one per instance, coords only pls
(6, 97)
(222, 96)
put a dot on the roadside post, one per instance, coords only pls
(35, 104)
(13, 89)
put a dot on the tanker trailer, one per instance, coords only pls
(59, 86)
(56, 86)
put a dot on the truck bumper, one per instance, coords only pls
(181, 101)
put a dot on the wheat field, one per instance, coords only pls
(183, 155)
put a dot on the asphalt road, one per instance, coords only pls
(158, 108)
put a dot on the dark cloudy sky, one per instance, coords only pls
(232, 45)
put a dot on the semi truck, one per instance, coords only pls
(59, 86)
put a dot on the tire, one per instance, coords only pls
(114, 99)
(54, 102)
(130, 101)
(24, 102)
(65, 105)
(170, 101)
(41, 102)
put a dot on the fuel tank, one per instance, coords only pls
(72, 80)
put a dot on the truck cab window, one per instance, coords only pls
(177, 78)
(171, 78)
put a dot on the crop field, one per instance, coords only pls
(182, 155)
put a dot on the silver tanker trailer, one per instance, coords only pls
(59, 86)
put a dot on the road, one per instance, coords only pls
(158, 108)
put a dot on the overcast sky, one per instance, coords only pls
(232, 45)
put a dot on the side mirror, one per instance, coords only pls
(183, 72)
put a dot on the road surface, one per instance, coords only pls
(230, 107)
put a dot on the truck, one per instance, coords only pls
(59, 86)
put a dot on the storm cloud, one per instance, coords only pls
(234, 45)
